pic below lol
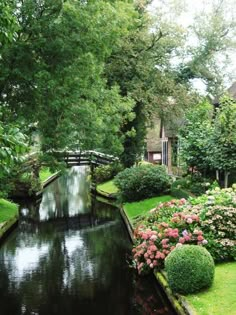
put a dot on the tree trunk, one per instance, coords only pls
(226, 180)
(217, 176)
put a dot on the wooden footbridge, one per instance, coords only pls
(72, 158)
(92, 158)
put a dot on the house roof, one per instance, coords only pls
(172, 127)
(231, 91)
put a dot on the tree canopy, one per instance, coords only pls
(93, 74)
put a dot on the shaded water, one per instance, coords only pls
(69, 256)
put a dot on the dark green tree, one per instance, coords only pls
(52, 74)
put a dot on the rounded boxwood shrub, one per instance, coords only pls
(189, 268)
(140, 182)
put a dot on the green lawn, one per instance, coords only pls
(108, 187)
(134, 209)
(8, 210)
(44, 174)
(221, 297)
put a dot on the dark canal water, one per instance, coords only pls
(69, 256)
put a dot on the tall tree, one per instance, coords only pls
(52, 75)
(194, 138)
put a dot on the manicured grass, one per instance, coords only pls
(108, 187)
(221, 297)
(44, 174)
(134, 209)
(8, 210)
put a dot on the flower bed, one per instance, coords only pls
(209, 220)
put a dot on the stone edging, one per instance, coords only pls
(105, 194)
(6, 227)
(177, 301)
(47, 182)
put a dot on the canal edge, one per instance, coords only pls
(47, 182)
(7, 227)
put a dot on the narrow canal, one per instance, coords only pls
(69, 256)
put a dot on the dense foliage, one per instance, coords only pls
(12, 147)
(194, 184)
(142, 181)
(189, 269)
(106, 172)
(52, 73)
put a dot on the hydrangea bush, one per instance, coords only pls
(209, 220)
(156, 240)
(217, 210)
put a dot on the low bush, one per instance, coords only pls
(195, 184)
(106, 172)
(189, 269)
(142, 182)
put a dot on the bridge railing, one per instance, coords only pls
(87, 158)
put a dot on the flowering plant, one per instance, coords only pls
(208, 220)
(154, 244)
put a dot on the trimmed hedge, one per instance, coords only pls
(142, 182)
(189, 268)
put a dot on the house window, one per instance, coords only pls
(156, 156)
(165, 152)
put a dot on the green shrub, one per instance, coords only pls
(189, 268)
(179, 193)
(106, 172)
(196, 184)
(182, 183)
(142, 182)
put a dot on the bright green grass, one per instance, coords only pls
(134, 209)
(220, 299)
(108, 187)
(44, 174)
(8, 210)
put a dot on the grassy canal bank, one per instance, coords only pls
(8, 216)
(8, 210)
(218, 299)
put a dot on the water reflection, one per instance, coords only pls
(66, 267)
(75, 185)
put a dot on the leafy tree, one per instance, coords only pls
(141, 66)
(8, 23)
(194, 137)
(208, 141)
(223, 140)
(52, 75)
